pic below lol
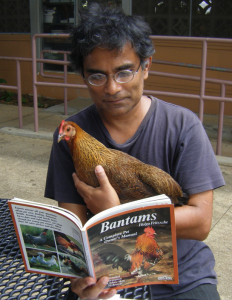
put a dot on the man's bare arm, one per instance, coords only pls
(79, 210)
(193, 221)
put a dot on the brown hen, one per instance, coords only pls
(131, 178)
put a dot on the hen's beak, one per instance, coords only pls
(60, 137)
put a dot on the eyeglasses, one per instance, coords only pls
(121, 77)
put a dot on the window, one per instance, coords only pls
(14, 16)
(209, 18)
(59, 17)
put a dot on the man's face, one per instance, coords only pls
(113, 98)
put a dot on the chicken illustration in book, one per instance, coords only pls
(134, 247)
(53, 251)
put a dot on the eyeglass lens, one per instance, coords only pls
(121, 77)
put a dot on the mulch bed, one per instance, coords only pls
(10, 98)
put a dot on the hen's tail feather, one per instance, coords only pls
(64, 250)
(183, 200)
(114, 255)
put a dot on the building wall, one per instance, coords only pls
(18, 45)
(219, 55)
(190, 53)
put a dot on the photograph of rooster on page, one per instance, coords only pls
(67, 244)
(36, 237)
(135, 248)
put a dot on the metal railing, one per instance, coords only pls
(64, 77)
(202, 79)
(18, 86)
(201, 97)
(37, 83)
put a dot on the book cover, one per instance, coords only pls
(136, 247)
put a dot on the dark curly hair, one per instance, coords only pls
(101, 26)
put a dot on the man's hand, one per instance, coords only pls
(88, 288)
(100, 198)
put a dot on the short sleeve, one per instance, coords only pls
(195, 165)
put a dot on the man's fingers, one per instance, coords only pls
(101, 176)
(100, 198)
(75, 178)
(81, 284)
(86, 288)
(80, 185)
(107, 294)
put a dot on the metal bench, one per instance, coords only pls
(17, 284)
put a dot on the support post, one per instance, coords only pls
(203, 75)
(34, 78)
(220, 121)
(19, 90)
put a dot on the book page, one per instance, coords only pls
(66, 212)
(136, 247)
(51, 243)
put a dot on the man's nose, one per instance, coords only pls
(112, 86)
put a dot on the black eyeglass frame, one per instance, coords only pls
(113, 75)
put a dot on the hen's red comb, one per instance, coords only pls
(61, 126)
(149, 229)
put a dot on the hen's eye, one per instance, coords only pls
(68, 129)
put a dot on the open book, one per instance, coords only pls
(133, 243)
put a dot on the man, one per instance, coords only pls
(113, 53)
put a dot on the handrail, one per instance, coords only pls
(201, 97)
(40, 83)
(64, 77)
(18, 86)
(194, 66)
(222, 99)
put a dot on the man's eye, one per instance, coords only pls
(123, 74)
(97, 77)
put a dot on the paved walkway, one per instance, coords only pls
(24, 157)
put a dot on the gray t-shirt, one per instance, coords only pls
(172, 138)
